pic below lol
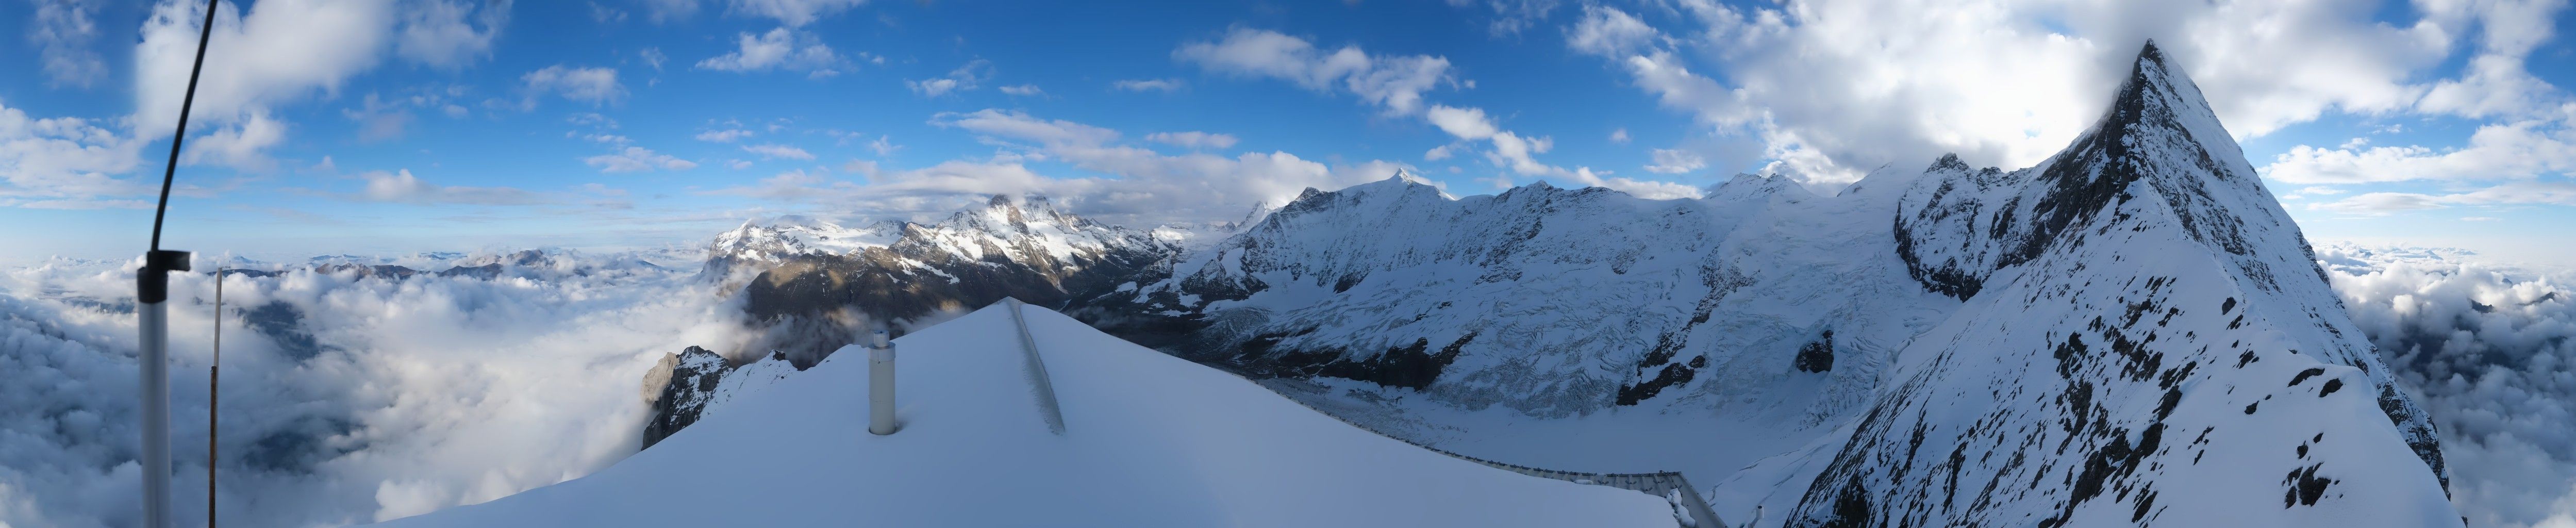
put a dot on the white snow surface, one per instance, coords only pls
(1150, 441)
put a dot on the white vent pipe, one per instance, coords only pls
(881, 384)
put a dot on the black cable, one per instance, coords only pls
(172, 169)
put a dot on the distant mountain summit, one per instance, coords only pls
(822, 283)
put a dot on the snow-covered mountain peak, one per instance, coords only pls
(2141, 323)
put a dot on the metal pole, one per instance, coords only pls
(881, 385)
(152, 318)
(214, 379)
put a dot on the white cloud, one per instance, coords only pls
(777, 151)
(1393, 82)
(62, 158)
(1619, 135)
(637, 159)
(2321, 191)
(441, 391)
(1675, 161)
(780, 48)
(282, 51)
(592, 85)
(1148, 85)
(2517, 193)
(964, 78)
(793, 13)
(2488, 350)
(436, 32)
(723, 136)
(63, 32)
(1835, 85)
(1193, 139)
(884, 146)
(1023, 90)
(2517, 150)
(1610, 32)
(2479, 219)
(404, 188)
(653, 57)
(1509, 150)
(238, 146)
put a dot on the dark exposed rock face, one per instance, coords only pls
(1032, 252)
(688, 380)
(1817, 356)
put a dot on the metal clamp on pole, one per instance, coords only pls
(881, 384)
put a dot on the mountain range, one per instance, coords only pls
(2131, 332)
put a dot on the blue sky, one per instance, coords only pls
(389, 126)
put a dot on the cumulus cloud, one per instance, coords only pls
(591, 85)
(239, 146)
(2516, 150)
(777, 151)
(781, 48)
(1395, 83)
(345, 400)
(59, 158)
(279, 52)
(964, 78)
(438, 32)
(637, 159)
(2490, 350)
(63, 31)
(1834, 87)
(1193, 139)
(1619, 135)
(1147, 85)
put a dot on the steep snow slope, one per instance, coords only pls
(2146, 339)
(1150, 440)
(1577, 329)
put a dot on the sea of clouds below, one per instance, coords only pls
(435, 391)
(427, 392)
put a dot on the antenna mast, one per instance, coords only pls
(152, 316)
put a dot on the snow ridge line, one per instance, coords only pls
(1036, 368)
(1659, 484)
